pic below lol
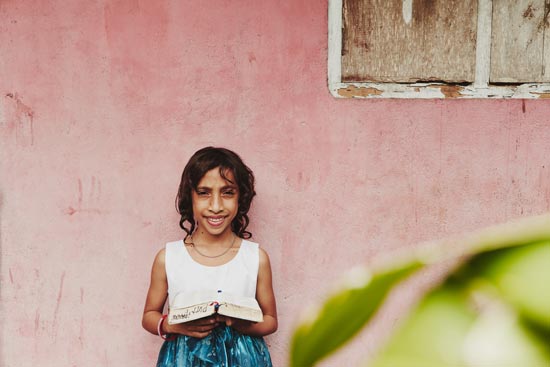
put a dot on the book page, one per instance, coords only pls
(195, 305)
(185, 314)
(241, 312)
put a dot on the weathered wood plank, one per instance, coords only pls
(517, 46)
(546, 55)
(409, 40)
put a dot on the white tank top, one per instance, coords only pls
(238, 276)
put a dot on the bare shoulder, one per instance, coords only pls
(264, 257)
(159, 263)
(160, 258)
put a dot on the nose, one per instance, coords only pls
(216, 204)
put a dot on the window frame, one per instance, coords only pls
(480, 88)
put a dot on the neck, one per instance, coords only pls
(206, 239)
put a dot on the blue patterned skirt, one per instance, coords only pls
(224, 347)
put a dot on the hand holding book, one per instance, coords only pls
(198, 328)
(187, 307)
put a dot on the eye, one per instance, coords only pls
(229, 193)
(202, 193)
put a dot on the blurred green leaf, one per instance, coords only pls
(343, 315)
(498, 300)
(521, 276)
(446, 330)
(500, 338)
(433, 334)
(515, 233)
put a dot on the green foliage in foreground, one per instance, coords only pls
(493, 309)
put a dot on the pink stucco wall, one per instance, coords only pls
(102, 103)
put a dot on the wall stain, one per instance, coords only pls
(81, 333)
(58, 301)
(36, 321)
(545, 22)
(72, 211)
(423, 10)
(529, 13)
(90, 203)
(251, 57)
(22, 120)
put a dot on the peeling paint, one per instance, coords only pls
(439, 90)
(353, 91)
(449, 91)
(407, 11)
(542, 95)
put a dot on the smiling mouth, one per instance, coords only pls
(215, 221)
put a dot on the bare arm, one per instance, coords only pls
(154, 304)
(266, 298)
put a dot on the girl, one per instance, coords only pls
(213, 199)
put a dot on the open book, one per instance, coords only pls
(191, 306)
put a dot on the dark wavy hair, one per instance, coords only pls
(225, 160)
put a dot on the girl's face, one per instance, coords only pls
(215, 202)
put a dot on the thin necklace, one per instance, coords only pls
(215, 256)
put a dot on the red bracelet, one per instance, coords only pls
(159, 330)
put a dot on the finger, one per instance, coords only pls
(190, 329)
(206, 328)
(201, 335)
(207, 321)
(203, 328)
